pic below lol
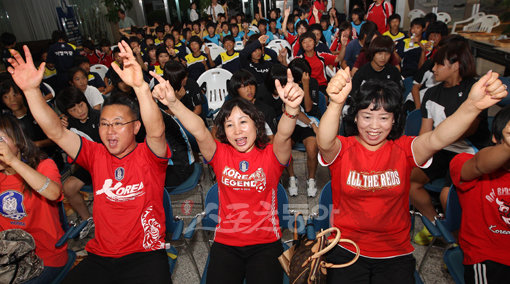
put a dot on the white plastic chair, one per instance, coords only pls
(277, 44)
(216, 85)
(239, 45)
(254, 29)
(99, 69)
(444, 17)
(484, 24)
(415, 13)
(474, 17)
(113, 47)
(50, 89)
(214, 48)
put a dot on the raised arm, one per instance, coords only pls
(291, 95)
(164, 93)
(286, 14)
(338, 89)
(152, 119)
(485, 93)
(28, 78)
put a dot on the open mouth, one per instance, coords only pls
(373, 135)
(113, 143)
(241, 141)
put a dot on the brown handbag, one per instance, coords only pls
(304, 262)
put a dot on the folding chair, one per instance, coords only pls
(475, 16)
(277, 44)
(99, 69)
(415, 13)
(444, 17)
(483, 24)
(214, 49)
(216, 88)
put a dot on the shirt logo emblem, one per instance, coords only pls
(243, 166)
(12, 205)
(119, 173)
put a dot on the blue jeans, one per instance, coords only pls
(49, 274)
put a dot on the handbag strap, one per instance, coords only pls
(295, 235)
(331, 245)
(356, 256)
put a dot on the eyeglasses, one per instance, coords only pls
(115, 125)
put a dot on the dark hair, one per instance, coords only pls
(359, 12)
(58, 35)
(160, 29)
(393, 17)
(325, 18)
(277, 72)
(89, 44)
(499, 123)
(298, 66)
(386, 94)
(116, 50)
(248, 108)
(430, 17)
(68, 98)
(437, 28)
(7, 39)
(308, 34)
(78, 60)
(75, 70)
(134, 39)
(175, 72)
(104, 42)
(262, 22)
(240, 79)
(122, 99)
(418, 21)
(380, 44)
(30, 154)
(210, 25)
(343, 26)
(302, 23)
(161, 49)
(228, 38)
(6, 84)
(367, 31)
(456, 49)
(195, 39)
(121, 11)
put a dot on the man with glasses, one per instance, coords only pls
(127, 177)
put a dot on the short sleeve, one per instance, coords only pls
(455, 172)
(220, 150)
(94, 97)
(426, 97)
(329, 58)
(162, 161)
(86, 154)
(343, 142)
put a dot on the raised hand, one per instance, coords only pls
(131, 73)
(24, 73)
(305, 78)
(340, 86)
(163, 91)
(263, 39)
(344, 38)
(291, 94)
(488, 91)
(207, 50)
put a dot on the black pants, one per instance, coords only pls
(256, 263)
(140, 267)
(486, 272)
(394, 270)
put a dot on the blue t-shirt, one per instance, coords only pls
(352, 51)
(357, 27)
(328, 33)
(215, 39)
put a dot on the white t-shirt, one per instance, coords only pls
(216, 9)
(193, 15)
(94, 96)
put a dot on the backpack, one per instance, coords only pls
(18, 262)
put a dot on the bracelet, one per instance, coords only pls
(290, 115)
(45, 186)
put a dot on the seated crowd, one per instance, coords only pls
(334, 85)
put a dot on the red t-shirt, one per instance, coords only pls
(336, 45)
(371, 196)
(380, 16)
(106, 59)
(128, 199)
(321, 7)
(294, 43)
(485, 224)
(247, 189)
(318, 66)
(29, 211)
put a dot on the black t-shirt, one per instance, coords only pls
(263, 95)
(269, 114)
(62, 55)
(440, 102)
(367, 72)
(90, 127)
(314, 94)
(192, 98)
(260, 69)
(410, 57)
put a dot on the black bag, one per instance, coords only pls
(304, 262)
(18, 262)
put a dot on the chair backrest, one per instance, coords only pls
(474, 17)
(99, 69)
(322, 221)
(277, 44)
(444, 17)
(453, 212)
(415, 13)
(216, 83)
(239, 45)
(413, 123)
(483, 24)
(171, 223)
(50, 89)
(254, 29)
(214, 48)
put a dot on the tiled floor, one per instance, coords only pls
(187, 205)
